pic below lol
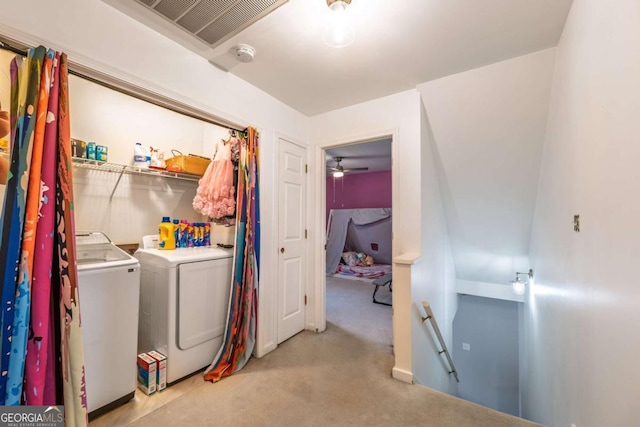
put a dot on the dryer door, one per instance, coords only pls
(203, 300)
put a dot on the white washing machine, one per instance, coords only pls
(184, 299)
(109, 292)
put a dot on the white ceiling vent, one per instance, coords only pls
(210, 21)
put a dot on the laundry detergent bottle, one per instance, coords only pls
(166, 238)
(176, 232)
(183, 233)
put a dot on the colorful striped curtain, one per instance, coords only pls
(240, 333)
(40, 336)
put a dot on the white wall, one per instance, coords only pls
(396, 115)
(434, 277)
(488, 127)
(111, 118)
(489, 371)
(118, 121)
(97, 36)
(582, 314)
(418, 217)
(484, 131)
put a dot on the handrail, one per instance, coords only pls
(436, 329)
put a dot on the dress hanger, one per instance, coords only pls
(232, 134)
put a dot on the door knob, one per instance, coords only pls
(281, 250)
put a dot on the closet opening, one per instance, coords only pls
(358, 223)
(136, 158)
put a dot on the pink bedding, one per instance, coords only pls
(371, 272)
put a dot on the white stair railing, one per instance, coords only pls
(436, 329)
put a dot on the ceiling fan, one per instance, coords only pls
(338, 170)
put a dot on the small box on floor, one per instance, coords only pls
(161, 369)
(146, 373)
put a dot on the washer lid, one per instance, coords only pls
(95, 250)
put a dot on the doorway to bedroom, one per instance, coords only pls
(358, 229)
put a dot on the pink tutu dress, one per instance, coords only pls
(215, 195)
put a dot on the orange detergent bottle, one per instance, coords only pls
(167, 239)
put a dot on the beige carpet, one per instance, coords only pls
(339, 377)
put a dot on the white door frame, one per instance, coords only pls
(319, 224)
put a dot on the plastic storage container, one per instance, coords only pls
(101, 153)
(78, 148)
(91, 151)
(141, 156)
(176, 232)
(183, 233)
(191, 164)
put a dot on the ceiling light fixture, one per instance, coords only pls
(340, 32)
(338, 174)
(519, 285)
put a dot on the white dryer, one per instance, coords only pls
(109, 291)
(184, 299)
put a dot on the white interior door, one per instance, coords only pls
(291, 237)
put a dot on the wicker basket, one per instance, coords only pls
(191, 164)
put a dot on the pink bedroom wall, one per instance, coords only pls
(363, 190)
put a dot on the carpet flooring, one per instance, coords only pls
(340, 377)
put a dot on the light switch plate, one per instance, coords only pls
(466, 346)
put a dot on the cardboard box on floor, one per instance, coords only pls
(146, 373)
(161, 369)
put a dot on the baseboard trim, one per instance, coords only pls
(260, 352)
(402, 375)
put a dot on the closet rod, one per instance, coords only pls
(131, 90)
